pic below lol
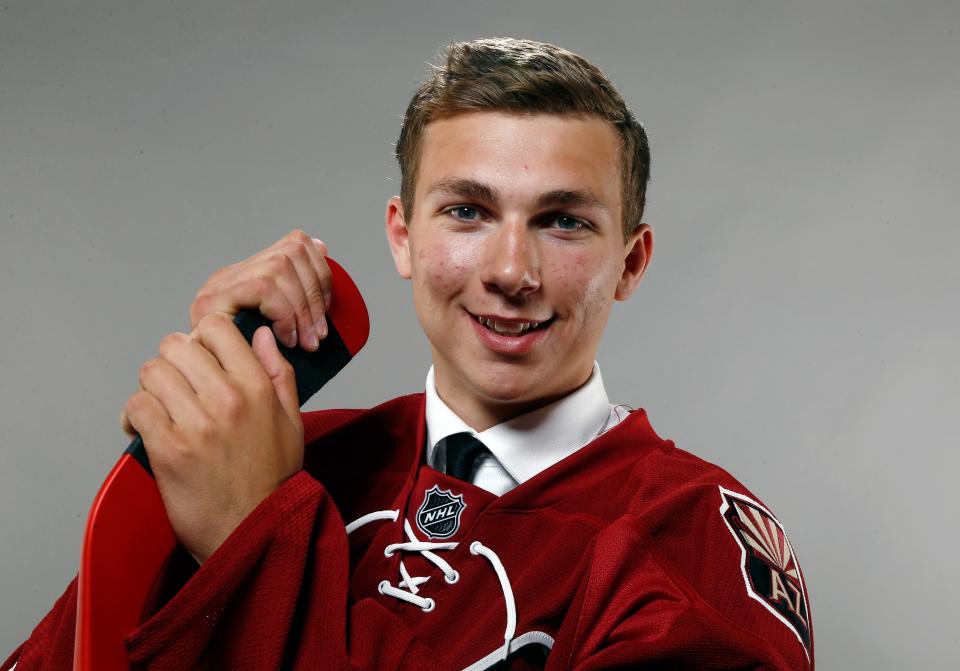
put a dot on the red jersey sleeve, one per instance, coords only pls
(274, 595)
(50, 645)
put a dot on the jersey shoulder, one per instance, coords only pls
(712, 533)
(362, 456)
(318, 424)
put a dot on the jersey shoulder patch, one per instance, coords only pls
(771, 573)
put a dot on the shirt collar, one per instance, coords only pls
(534, 441)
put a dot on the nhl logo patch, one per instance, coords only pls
(439, 514)
(770, 569)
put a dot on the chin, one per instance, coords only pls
(510, 389)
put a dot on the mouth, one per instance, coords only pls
(515, 327)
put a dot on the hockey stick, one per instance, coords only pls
(128, 538)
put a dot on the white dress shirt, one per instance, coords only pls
(523, 446)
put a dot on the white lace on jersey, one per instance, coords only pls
(408, 587)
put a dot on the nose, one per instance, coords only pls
(511, 263)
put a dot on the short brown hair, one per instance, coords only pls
(506, 74)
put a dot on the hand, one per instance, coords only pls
(289, 282)
(221, 426)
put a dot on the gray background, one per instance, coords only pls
(799, 323)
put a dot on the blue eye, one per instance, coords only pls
(566, 223)
(465, 213)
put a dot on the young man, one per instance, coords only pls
(510, 517)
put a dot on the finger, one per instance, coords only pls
(165, 381)
(148, 417)
(127, 426)
(309, 290)
(317, 251)
(259, 292)
(308, 256)
(279, 371)
(198, 365)
(283, 268)
(220, 338)
(288, 265)
(291, 253)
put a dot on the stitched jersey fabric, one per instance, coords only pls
(629, 553)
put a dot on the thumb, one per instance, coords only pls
(280, 371)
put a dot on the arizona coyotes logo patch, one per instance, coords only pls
(769, 567)
(439, 514)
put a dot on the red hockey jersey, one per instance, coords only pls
(630, 553)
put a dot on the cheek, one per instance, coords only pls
(589, 283)
(442, 268)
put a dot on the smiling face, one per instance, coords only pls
(516, 254)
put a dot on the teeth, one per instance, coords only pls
(511, 329)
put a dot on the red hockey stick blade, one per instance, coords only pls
(128, 538)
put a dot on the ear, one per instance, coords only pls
(639, 251)
(398, 236)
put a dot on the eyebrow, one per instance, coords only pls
(571, 198)
(465, 188)
(474, 190)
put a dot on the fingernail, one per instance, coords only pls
(292, 340)
(322, 327)
(312, 341)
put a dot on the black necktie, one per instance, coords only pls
(463, 450)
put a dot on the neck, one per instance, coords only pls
(480, 413)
